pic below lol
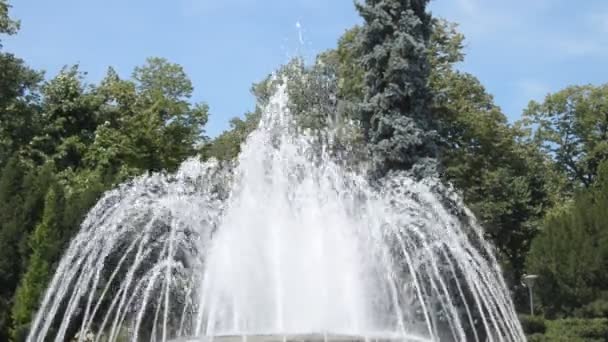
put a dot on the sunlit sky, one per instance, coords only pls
(519, 49)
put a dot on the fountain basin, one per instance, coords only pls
(312, 337)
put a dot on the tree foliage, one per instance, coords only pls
(7, 25)
(504, 179)
(572, 127)
(63, 142)
(396, 98)
(227, 145)
(571, 253)
(391, 86)
(19, 112)
(46, 247)
(11, 233)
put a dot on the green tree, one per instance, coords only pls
(18, 90)
(571, 254)
(19, 112)
(445, 49)
(395, 111)
(111, 153)
(62, 143)
(83, 189)
(166, 127)
(46, 246)
(504, 179)
(572, 127)
(35, 186)
(69, 111)
(7, 25)
(85, 139)
(22, 191)
(11, 234)
(227, 145)
(350, 73)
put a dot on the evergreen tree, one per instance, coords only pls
(46, 245)
(396, 112)
(504, 180)
(35, 186)
(11, 220)
(571, 254)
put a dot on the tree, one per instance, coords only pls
(227, 145)
(572, 127)
(395, 112)
(18, 85)
(111, 153)
(46, 245)
(169, 128)
(62, 143)
(86, 138)
(19, 110)
(571, 254)
(504, 179)
(22, 191)
(445, 49)
(7, 25)
(11, 219)
(69, 119)
(349, 72)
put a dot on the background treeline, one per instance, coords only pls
(538, 186)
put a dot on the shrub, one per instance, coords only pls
(595, 309)
(537, 338)
(533, 324)
(576, 329)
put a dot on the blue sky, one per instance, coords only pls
(519, 49)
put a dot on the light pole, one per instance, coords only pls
(528, 281)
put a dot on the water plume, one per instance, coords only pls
(285, 241)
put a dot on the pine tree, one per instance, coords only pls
(396, 112)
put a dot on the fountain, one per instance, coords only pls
(285, 244)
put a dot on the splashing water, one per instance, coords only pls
(284, 242)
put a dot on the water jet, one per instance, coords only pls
(282, 245)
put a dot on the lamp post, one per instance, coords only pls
(528, 281)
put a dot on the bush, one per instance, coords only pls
(578, 330)
(533, 324)
(595, 309)
(538, 338)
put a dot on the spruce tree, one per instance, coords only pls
(395, 111)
